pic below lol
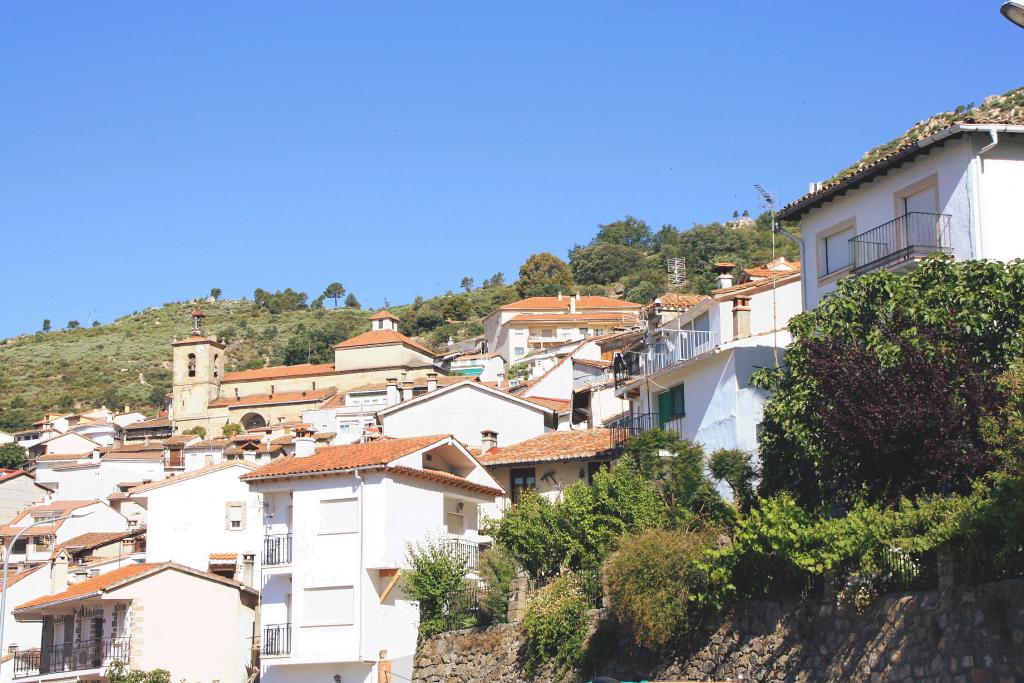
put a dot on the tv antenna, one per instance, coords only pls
(770, 201)
(676, 270)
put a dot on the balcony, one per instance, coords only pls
(462, 548)
(277, 640)
(907, 238)
(277, 550)
(632, 426)
(674, 346)
(79, 656)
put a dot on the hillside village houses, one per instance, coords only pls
(956, 191)
(540, 322)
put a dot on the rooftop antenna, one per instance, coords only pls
(676, 270)
(770, 201)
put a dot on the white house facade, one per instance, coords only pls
(956, 191)
(338, 520)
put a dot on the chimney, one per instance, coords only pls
(431, 381)
(392, 396)
(305, 444)
(407, 390)
(559, 296)
(59, 573)
(740, 317)
(572, 303)
(723, 271)
(127, 408)
(488, 440)
(248, 560)
(383, 667)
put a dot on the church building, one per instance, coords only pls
(207, 396)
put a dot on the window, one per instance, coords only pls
(519, 351)
(339, 516)
(216, 357)
(327, 606)
(834, 252)
(234, 516)
(592, 469)
(455, 523)
(583, 332)
(522, 479)
(671, 405)
(547, 332)
(191, 365)
(117, 620)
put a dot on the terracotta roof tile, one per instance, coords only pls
(592, 363)
(99, 584)
(383, 338)
(335, 458)
(150, 424)
(676, 300)
(57, 457)
(554, 303)
(573, 317)
(155, 445)
(280, 372)
(152, 454)
(553, 446)
(95, 539)
(559, 405)
(143, 488)
(273, 399)
(223, 557)
(208, 443)
(446, 478)
(13, 578)
(384, 315)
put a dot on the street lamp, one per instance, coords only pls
(1014, 11)
(7, 557)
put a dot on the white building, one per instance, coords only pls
(98, 474)
(196, 625)
(206, 518)
(465, 410)
(37, 544)
(338, 520)
(19, 490)
(487, 367)
(21, 587)
(692, 375)
(956, 191)
(540, 322)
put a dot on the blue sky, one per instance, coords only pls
(153, 152)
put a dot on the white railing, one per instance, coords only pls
(463, 548)
(682, 345)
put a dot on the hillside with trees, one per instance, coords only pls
(129, 360)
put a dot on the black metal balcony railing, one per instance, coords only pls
(626, 366)
(632, 426)
(85, 654)
(277, 550)
(277, 640)
(911, 236)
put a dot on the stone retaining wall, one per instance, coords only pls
(959, 635)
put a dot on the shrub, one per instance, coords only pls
(231, 429)
(497, 571)
(198, 430)
(555, 625)
(436, 578)
(654, 581)
(12, 456)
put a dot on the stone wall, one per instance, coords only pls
(959, 635)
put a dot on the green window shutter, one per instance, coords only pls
(664, 408)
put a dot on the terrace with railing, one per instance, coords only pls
(73, 656)
(462, 548)
(671, 347)
(277, 640)
(277, 550)
(908, 238)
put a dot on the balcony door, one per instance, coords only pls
(920, 209)
(924, 201)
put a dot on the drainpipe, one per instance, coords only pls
(978, 173)
(362, 536)
(803, 261)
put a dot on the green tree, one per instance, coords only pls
(885, 388)
(351, 301)
(555, 625)
(497, 570)
(434, 577)
(118, 672)
(231, 429)
(280, 301)
(735, 468)
(603, 263)
(95, 323)
(215, 293)
(12, 456)
(73, 325)
(627, 232)
(544, 274)
(198, 430)
(497, 280)
(467, 283)
(46, 325)
(334, 291)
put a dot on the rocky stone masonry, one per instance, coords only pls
(958, 635)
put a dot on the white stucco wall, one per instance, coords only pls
(1001, 199)
(464, 411)
(186, 520)
(18, 493)
(101, 480)
(23, 634)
